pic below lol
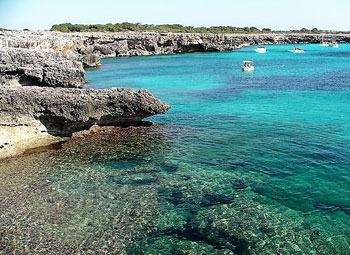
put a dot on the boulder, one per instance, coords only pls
(91, 60)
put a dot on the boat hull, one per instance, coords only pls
(260, 50)
(297, 51)
(334, 45)
(248, 69)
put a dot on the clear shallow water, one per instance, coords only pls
(242, 164)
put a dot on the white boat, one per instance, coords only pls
(297, 50)
(260, 50)
(248, 66)
(334, 45)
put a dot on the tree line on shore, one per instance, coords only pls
(126, 26)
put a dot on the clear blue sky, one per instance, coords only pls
(275, 14)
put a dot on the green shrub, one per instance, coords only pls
(127, 26)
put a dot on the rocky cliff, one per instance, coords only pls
(107, 44)
(33, 67)
(57, 59)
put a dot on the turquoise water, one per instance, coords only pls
(254, 163)
(285, 127)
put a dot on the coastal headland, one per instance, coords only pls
(42, 76)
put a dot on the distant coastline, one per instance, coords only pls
(178, 28)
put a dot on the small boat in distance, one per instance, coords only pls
(297, 50)
(248, 66)
(334, 45)
(260, 50)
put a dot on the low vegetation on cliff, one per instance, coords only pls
(126, 26)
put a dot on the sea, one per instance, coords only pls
(243, 163)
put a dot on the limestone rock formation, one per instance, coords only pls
(91, 60)
(40, 68)
(63, 111)
(117, 44)
(41, 98)
(15, 140)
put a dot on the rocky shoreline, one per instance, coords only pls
(42, 74)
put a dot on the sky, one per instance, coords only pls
(274, 14)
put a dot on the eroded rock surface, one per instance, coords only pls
(64, 111)
(32, 67)
(106, 44)
(41, 94)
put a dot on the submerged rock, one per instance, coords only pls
(175, 245)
